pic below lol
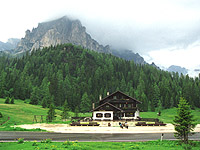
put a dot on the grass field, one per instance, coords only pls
(167, 115)
(23, 113)
(150, 145)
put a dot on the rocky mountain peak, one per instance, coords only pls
(180, 70)
(66, 30)
(9, 45)
(63, 30)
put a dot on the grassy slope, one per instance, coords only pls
(21, 113)
(167, 115)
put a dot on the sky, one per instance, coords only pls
(166, 32)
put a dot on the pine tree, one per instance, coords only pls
(65, 112)
(35, 96)
(7, 101)
(12, 100)
(184, 121)
(44, 102)
(51, 113)
(85, 103)
(156, 95)
(76, 111)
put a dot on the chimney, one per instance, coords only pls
(93, 106)
(108, 93)
(99, 97)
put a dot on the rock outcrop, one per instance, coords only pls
(63, 30)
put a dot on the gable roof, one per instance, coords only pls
(108, 104)
(122, 94)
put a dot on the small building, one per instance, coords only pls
(116, 106)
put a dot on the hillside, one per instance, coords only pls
(22, 113)
(67, 72)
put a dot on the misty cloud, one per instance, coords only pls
(144, 38)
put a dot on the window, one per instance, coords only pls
(107, 106)
(107, 115)
(114, 97)
(99, 115)
(129, 114)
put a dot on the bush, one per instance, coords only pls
(20, 140)
(35, 143)
(46, 141)
(67, 143)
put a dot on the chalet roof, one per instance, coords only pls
(108, 104)
(122, 94)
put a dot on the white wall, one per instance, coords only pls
(103, 117)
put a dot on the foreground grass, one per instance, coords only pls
(150, 145)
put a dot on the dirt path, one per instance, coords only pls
(65, 128)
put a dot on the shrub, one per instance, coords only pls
(35, 143)
(67, 143)
(20, 140)
(46, 141)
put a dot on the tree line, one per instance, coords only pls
(75, 76)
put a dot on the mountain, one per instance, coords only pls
(178, 69)
(9, 45)
(66, 30)
(60, 31)
(129, 55)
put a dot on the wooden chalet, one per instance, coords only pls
(116, 106)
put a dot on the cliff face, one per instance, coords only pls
(63, 30)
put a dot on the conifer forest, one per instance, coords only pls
(75, 76)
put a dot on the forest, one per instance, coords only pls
(70, 74)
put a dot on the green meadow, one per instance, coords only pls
(167, 115)
(23, 113)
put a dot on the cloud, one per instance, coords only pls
(187, 57)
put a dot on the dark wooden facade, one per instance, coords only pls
(122, 106)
